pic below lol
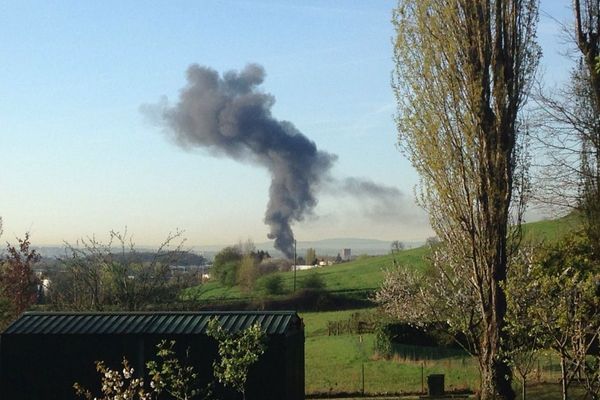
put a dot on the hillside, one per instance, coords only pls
(366, 273)
(363, 274)
(551, 230)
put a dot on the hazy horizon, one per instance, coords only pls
(83, 157)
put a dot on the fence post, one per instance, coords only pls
(363, 378)
(422, 377)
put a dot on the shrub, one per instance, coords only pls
(313, 281)
(273, 284)
(383, 341)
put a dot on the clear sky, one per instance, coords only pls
(79, 158)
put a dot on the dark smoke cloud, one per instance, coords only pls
(228, 115)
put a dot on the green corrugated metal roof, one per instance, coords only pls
(149, 323)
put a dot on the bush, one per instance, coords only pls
(428, 335)
(273, 284)
(267, 267)
(226, 264)
(383, 341)
(313, 281)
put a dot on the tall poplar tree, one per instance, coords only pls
(463, 73)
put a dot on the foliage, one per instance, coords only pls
(225, 265)
(237, 352)
(554, 302)
(98, 276)
(18, 283)
(314, 281)
(168, 375)
(247, 272)
(383, 340)
(525, 336)
(463, 71)
(273, 284)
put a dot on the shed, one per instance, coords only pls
(42, 354)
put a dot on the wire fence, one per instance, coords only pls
(407, 371)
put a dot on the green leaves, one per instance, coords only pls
(237, 353)
(553, 302)
(170, 376)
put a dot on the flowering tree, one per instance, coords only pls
(553, 302)
(117, 385)
(171, 378)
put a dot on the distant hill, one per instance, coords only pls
(324, 247)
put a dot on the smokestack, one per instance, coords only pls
(230, 116)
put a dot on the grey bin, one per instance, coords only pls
(435, 384)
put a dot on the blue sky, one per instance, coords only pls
(80, 159)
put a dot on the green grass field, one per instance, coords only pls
(334, 364)
(551, 230)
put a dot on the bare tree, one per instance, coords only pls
(570, 122)
(396, 246)
(463, 72)
(98, 275)
(311, 256)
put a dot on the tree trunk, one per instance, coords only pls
(563, 378)
(496, 375)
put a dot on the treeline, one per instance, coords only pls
(95, 276)
(242, 265)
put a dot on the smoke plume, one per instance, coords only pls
(228, 115)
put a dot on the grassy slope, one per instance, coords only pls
(363, 274)
(367, 273)
(550, 230)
